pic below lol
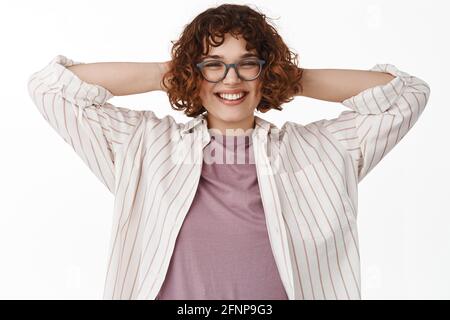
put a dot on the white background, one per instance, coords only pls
(55, 216)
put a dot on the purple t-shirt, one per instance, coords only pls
(223, 249)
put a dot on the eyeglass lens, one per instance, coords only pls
(215, 70)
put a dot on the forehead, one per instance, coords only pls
(231, 48)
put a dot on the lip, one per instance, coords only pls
(231, 103)
(232, 91)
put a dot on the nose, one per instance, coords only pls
(231, 77)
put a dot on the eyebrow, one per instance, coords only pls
(245, 55)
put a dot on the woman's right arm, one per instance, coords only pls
(72, 97)
(123, 78)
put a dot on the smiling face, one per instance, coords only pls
(221, 115)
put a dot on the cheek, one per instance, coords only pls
(257, 94)
(257, 87)
(206, 91)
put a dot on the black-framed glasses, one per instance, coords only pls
(216, 70)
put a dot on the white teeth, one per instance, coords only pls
(227, 96)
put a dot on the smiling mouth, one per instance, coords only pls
(231, 102)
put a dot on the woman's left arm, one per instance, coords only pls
(337, 85)
(385, 103)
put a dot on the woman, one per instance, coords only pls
(227, 205)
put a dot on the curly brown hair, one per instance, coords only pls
(280, 77)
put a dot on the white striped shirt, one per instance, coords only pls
(307, 175)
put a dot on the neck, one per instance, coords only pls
(240, 128)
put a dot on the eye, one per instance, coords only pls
(249, 63)
(212, 64)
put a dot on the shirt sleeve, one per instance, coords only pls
(81, 115)
(379, 117)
